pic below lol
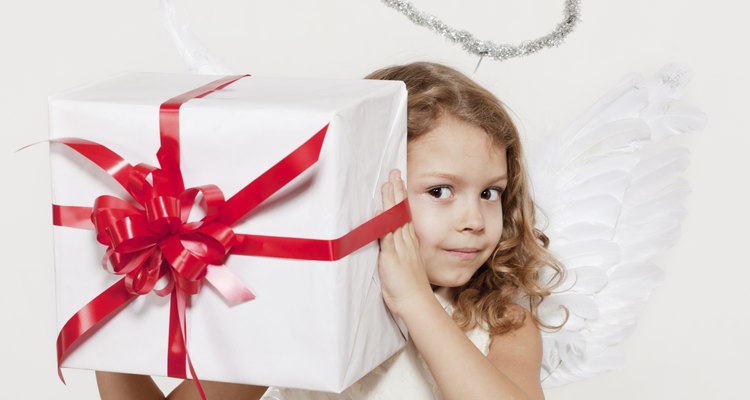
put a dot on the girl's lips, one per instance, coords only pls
(463, 253)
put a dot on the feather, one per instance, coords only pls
(196, 56)
(611, 190)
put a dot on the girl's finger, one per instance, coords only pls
(398, 186)
(386, 243)
(386, 192)
(411, 236)
(405, 236)
(396, 193)
(399, 195)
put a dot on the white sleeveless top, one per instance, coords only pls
(403, 376)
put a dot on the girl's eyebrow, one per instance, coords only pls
(457, 178)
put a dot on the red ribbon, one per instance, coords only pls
(153, 239)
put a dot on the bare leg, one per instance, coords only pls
(118, 386)
(217, 390)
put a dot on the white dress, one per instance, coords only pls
(403, 376)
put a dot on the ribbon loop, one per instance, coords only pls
(138, 181)
(163, 214)
(141, 280)
(106, 212)
(131, 234)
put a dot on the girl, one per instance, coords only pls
(454, 273)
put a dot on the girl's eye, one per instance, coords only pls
(492, 193)
(439, 192)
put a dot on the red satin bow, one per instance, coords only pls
(155, 239)
(138, 240)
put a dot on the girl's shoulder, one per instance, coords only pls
(519, 352)
(527, 336)
(528, 331)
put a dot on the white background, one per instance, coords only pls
(691, 341)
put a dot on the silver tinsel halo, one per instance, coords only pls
(488, 48)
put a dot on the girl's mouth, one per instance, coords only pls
(464, 253)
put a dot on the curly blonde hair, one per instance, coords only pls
(513, 272)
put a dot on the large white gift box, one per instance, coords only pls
(318, 325)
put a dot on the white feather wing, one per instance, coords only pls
(611, 189)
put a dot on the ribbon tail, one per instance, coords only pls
(228, 285)
(89, 318)
(176, 345)
(179, 304)
(106, 159)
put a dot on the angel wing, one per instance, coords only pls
(612, 190)
(197, 58)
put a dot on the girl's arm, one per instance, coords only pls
(119, 386)
(461, 371)
(511, 369)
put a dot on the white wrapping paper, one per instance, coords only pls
(315, 325)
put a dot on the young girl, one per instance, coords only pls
(455, 273)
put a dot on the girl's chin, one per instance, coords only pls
(448, 283)
(451, 279)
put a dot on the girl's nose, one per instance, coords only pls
(471, 218)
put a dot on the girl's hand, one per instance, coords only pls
(403, 278)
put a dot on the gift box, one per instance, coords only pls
(314, 323)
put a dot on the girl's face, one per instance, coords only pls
(455, 178)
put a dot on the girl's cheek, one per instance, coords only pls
(494, 221)
(417, 209)
(426, 219)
